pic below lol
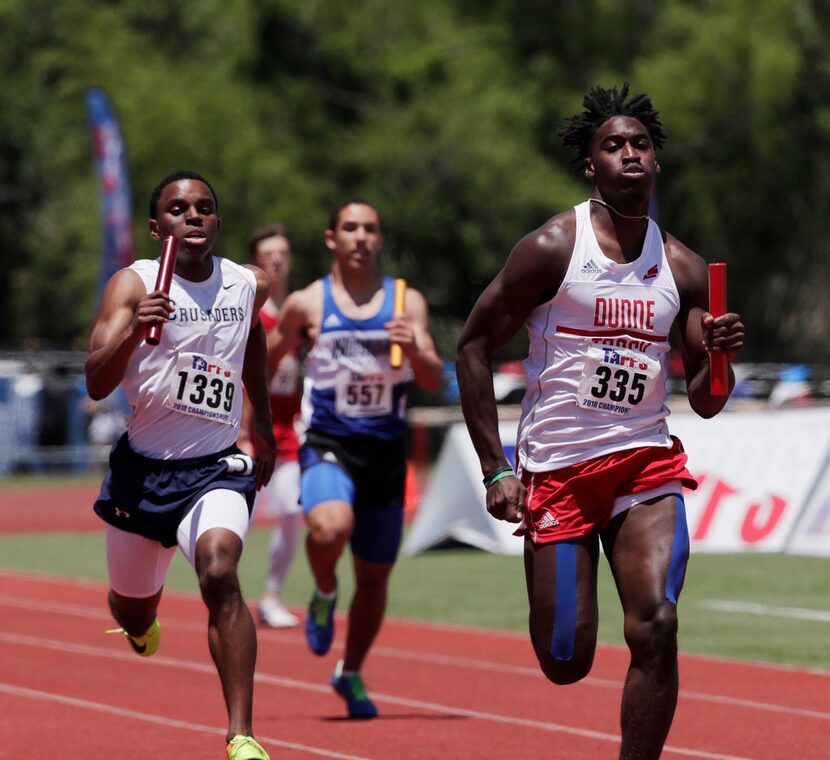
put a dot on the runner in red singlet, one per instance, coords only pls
(270, 249)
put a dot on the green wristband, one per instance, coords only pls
(488, 478)
(499, 476)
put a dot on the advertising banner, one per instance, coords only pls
(118, 249)
(764, 485)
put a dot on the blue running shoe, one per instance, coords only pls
(353, 690)
(319, 623)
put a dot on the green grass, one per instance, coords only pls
(465, 586)
(31, 481)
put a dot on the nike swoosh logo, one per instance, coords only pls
(138, 648)
(228, 287)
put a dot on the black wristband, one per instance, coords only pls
(491, 477)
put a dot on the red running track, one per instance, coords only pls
(69, 691)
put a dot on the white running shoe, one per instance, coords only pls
(274, 615)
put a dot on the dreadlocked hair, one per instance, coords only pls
(600, 105)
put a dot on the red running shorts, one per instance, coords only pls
(576, 500)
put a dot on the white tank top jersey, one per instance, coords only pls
(186, 393)
(596, 366)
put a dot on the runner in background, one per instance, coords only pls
(270, 249)
(353, 456)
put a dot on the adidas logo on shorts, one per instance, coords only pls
(548, 521)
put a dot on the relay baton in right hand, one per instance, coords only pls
(718, 362)
(395, 351)
(165, 277)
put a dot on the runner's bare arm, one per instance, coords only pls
(246, 424)
(532, 274)
(295, 327)
(126, 312)
(698, 331)
(411, 332)
(256, 385)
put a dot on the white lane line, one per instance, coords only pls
(85, 704)
(264, 678)
(290, 638)
(769, 610)
(64, 608)
(415, 656)
(519, 670)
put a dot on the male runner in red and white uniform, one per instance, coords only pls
(270, 249)
(599, 287)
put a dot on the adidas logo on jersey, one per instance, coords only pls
(548, 521)
(332, 320)
(590, 267)
(652, 273)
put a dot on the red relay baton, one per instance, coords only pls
(165, 277)
(718, 361)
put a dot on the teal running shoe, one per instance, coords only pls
(319, 623)
(353, 690)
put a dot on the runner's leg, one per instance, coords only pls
(212, 537)
(562, 590)
(137, 568)
(284, 494)
(647, 547)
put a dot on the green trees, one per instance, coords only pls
(741, 87)
(442, 112)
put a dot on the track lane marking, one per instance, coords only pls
(767, 610)
(264, 678)
(414, 656)
(160, 720)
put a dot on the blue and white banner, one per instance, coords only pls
(118, 248)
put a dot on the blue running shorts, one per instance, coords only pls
(368, 473)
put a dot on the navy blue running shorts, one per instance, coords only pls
(152, 496)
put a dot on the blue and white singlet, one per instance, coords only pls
(350, 387)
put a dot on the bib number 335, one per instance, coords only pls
(616, 380)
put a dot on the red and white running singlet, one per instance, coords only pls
(285, 394)
(597, 363)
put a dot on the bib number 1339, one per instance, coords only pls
(203, 386)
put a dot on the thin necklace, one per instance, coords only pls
(611, 208)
